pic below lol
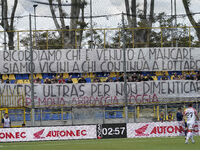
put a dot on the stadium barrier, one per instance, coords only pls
(158, 129)
(47, 133)
(100, 131)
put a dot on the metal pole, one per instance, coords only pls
(91, 27)
(34, 6)
(175, 21)
(172, 29)
(124, 68)
(32, 85)
(4, 29)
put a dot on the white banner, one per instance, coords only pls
(100, 94)
(158, 129)
(100, 60)
(48, 133)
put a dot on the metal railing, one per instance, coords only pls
(185, 36)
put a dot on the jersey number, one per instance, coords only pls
(189, 114)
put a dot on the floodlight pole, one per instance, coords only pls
(4, 30)
(32, 84)
(34, 6)
(124, 69)
(91, 27)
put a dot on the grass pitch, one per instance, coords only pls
(176, 143)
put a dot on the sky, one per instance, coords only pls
(100, 7)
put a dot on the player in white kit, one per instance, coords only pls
(191, 115)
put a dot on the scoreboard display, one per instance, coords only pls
(111, 131)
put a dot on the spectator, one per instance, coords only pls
(61, 80)
(130, 79)
(6, 121)
(162, 116)
(96, 80)
(190, 77)
(197, 76)
(170, 116)
(109, 79)
(69, 80)
(149, 78)
(179, 115)
(164, 77)
(134, 77)
(176, 77)
(7, 81)
(82, 80)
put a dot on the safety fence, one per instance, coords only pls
(99, 131)
(184, 36)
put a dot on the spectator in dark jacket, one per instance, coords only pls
(179, 115)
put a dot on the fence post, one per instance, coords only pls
(124, 69)
(32, 85)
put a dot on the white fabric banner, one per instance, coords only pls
(100, 60)
(48, 133)
(158, 129)
(100, 94)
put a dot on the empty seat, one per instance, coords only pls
(28, 117)
(18, 76)
(12, 81)
(11, 77)
(88, 80)
(25, 76)
(20, 81)
(26, 81)
(75, 80)
(103, 79)
(119, 114)
(4, 76)
(39, 75)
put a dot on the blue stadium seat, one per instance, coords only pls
(19, 117)
(88, 80)
(28, 117)
(18, 77)
(46, 116)
(12, 81)
(25, 76)
(12, 117)
(119, 114)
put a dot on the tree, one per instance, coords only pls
(140, 19)
(186, 4)
(9, 28)
(68, 32)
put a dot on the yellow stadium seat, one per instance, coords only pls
(39, 75)
(65, 75)
(33, 76)
(103, 79)
(4, 76)
(20, 81)
(11, 77)
(154, 78)
(26, 81)
(75, 80)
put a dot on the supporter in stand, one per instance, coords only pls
(197, 76)
(117, 79)
(82, 80)
(96, 80)
(37, 80)
(179, 114)
(109, 79)
(69, 80)
(149, 78)
(176, 77)
(134, 77)
(170, 116)
(7, 81)
(130, 79)
(61, 80)
(164, 77)
(162, 116)
(190, 77)
(6, 121)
